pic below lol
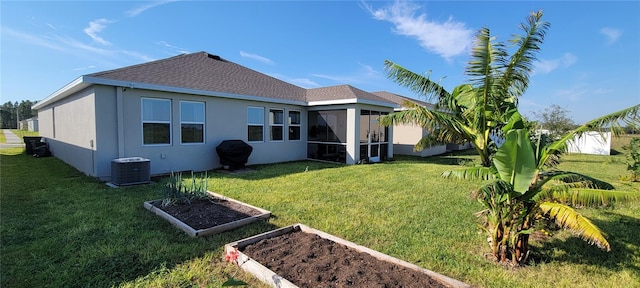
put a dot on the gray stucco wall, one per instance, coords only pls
(225, 119)
(96, 125)
(69, 126)
(106, 138)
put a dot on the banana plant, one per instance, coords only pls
(520, 193)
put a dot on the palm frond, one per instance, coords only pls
(568, 218)
(472, 173)
(577, 180)
(628, 115)
(515, 80)
(585, 197)
(417, 83)
(416, 114)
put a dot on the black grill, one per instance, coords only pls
(234, 154)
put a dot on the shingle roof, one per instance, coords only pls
(399, 99)
(203, 71)
(340, 92)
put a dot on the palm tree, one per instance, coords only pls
(522, 192)
(471, 112)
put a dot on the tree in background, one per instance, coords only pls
(555, 119)
(11, 113)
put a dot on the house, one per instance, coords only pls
(30, 124)
(405, 136)
(175, 111)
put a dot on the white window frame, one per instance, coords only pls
(249, 123)
(204, 115)
(272, 124)
(143, 121)
(299, 125)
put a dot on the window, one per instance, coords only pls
(255, 124)
(294, 125)
(156, 121)
(192, 122)
(276, 123)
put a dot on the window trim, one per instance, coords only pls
(249, 124)
(299, 125)
(142, 121)
(204, 121)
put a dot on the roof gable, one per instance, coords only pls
(203, 71)
(399, 99)
(341, 92)
(205, 74)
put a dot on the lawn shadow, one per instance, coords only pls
(127, 266)
(455, 158)
(577, 251)
(75, 231)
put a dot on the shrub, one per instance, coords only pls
(633, 158)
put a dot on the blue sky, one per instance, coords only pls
(589, 63)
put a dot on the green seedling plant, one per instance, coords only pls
(177, 192)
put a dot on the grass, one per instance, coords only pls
(19, 133)
(60, 228)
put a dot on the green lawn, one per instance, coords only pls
(19, 133)
(60, 228)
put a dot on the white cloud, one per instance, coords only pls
(96, 27)
(546, 66)
(136, 11)
(256, 57)
(364, 74)
(612, 34)
(368, 70)
(573, 93)
(336, 78)
(302, 82)
(447, 39)
(177, 49)
(84, 68)
(75, 45)
(140, 56)
(31, 39)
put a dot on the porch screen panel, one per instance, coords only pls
(328, 126)
(327, 135)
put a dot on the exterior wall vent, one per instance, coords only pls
(130, 171)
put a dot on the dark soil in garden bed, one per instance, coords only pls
(207, 213)
(308, 260)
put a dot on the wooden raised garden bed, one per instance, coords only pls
(293, 256)
(208, 216)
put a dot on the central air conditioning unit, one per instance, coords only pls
(130, 171)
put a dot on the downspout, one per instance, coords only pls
(120, 115)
